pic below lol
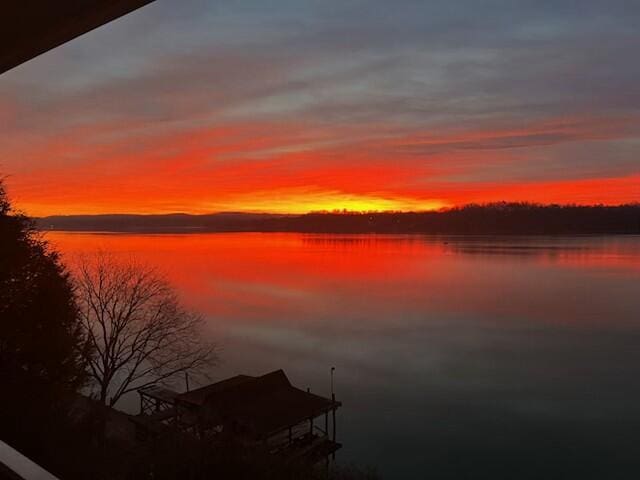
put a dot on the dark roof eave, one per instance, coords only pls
(28, 30)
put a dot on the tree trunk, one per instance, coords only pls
(103, 394)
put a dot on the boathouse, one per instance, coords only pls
(263, 412)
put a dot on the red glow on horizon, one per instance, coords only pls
(607, 191)
(293, 168)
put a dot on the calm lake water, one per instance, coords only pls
(465, 357)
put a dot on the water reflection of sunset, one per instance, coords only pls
(287, 277)
(434, 332)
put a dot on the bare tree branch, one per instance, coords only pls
(139, 332)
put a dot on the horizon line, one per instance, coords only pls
(348, 212)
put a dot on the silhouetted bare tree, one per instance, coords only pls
(139, 332)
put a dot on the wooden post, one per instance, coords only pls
(333, 414)
(326, 424)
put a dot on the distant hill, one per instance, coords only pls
(496, 218)
(174, 222)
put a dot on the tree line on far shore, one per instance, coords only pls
(502, 218)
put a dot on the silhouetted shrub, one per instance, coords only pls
(41, 343)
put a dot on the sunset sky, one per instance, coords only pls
(292, 106)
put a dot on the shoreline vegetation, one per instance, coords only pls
(501, 218)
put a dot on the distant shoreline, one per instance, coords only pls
(492, 219)
(442, 236)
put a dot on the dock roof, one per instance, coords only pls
(159, 393)
(263, 405)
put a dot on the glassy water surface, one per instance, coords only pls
(457, 357)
